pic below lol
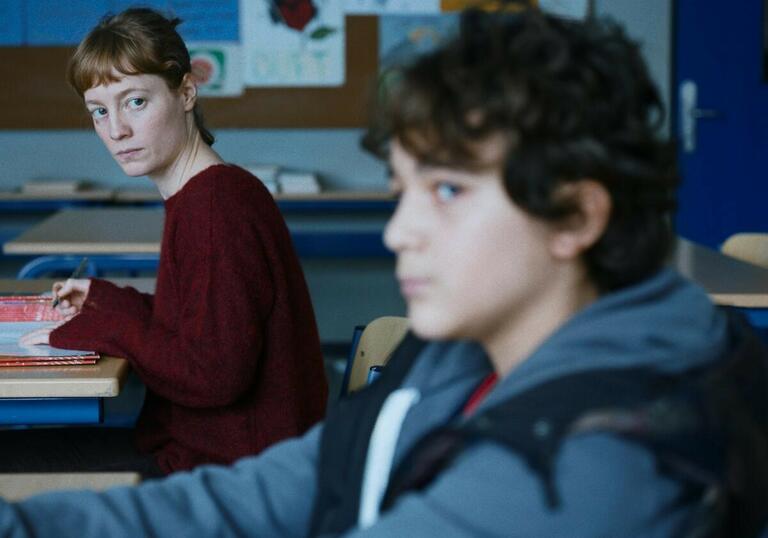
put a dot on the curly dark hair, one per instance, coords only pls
(574, 101)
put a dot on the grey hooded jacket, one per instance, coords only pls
(608, 487)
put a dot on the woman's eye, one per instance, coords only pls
(445, 192)
(136, 102)
(100, 112)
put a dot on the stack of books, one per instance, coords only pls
(58, 187)
(22, 314)
(267, 174)
(298, 183)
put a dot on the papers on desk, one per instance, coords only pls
(59, 187)
(298, 183)
(282, 181)
(22, 314)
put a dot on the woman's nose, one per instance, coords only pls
(118, 128)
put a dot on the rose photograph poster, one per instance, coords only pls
(293, 42)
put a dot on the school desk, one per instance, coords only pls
(136, 231)
(17, 486)
(111, 236)
(326, 201)
(727, 280)
(17, 202)
(60, 394)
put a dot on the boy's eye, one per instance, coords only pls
(99, 112)
(136, 102)
(445, 192)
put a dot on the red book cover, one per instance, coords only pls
(22, 313)
(52, 361)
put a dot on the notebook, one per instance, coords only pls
(22, 314)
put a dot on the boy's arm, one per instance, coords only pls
(268, 495)
(607, 487)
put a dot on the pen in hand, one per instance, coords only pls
(77, 273)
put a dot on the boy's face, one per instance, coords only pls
(470, 263)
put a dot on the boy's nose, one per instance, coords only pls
(403, 231)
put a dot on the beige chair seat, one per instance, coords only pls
(748, 247)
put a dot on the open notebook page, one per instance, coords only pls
(11, 331)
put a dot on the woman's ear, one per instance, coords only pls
(579, 231)
(188, 90)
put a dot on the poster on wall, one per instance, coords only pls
(293, 42)
(217, 68)
(403, 38)
(574, 9)
(383, 7)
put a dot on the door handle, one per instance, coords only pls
(690, 113)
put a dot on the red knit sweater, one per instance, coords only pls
(228, 347)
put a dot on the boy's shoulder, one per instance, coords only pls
(701, 425)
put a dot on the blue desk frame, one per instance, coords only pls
(286, 205)
(757, 317)
(308, 244)
(331, 244)
(34, 411)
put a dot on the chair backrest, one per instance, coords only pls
(376, 343)
(748, 247)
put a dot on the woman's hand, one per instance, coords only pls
(39, 336)
(72, 294)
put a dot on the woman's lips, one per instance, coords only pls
(128, 154)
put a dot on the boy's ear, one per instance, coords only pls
(578, 232)
(188, 91)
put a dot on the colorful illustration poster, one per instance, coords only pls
(574, 9)
(390, 7)
(402, 38)
(217, 68)
(487, 5)
(292, 42)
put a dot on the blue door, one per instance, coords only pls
(720, 114)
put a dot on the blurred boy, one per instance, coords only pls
(530, 237)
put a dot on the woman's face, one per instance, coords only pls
(469, 261)
(141, 121)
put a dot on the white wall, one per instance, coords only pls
(335, 154)
(650, 23)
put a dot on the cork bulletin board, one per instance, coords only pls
(34, 95)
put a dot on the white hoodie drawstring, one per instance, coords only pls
(381, 451)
